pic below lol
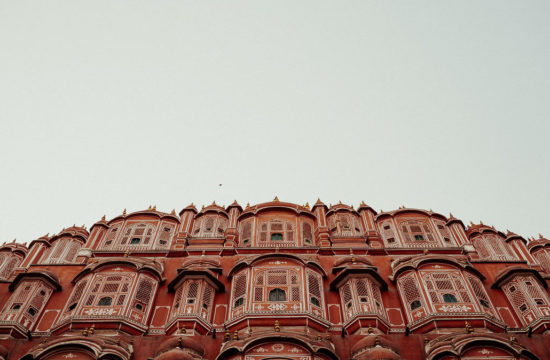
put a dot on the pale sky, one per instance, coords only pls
(106, 105)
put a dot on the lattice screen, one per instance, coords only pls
(78, 291)
(492, 247)
(314, 282)
(27, 302)
(416, 231)
(388, 234)
(276, 233)
(307, 234)
(410, 292)
(115, 286)
(9, 263)
(445, 233)
(543, 258)
(165, 235)
(138, 235)
(361, 295)
(481, 295)
(440, 284)
(345, 224)
(210, 225)
(246, 233)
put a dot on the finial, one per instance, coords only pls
(214, 202)
(540, 236)
(74, 225)
(192, 204)
(173, 212)
(149, 207)
(83, 226)
(247, 205)
(363, 202)
(276, 326)
(451, 215)
(480, 222)
(431, 210)
(381, 211)
(103, 218)
(472, 223)
(339, 202)
(154, 207)
(307, 205)
(376, 341)
(276, 199)
(124, 212)
(202, 208)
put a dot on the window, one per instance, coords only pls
(210, 225)
(277, 295)
(135, 241)
(415, 304)
(446, 287)
(8, 262)
(279, 231)
(315, 301)
(307, 233)
(345, 224)
(416, 230)
(388, 233)
(63, 251)
(528, 298)
(105, 301)
(449, 298)
(26, 302)
(411, 294)
(31, 311)
(492, 247)
(361, 295)
(239, 302)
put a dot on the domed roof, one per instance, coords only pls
(373, 347)
(378, 353)
(179, 344)
(175, 354)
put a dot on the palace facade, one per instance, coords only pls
(276, 281)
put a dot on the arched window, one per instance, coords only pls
(63, 251)
(26, 303)
(345, 224)
(415, 304)
(361, 296)
(529, 299)
(449, 298)
(113, 294)
(307, 233)
(194, 298)
(210, 226)
(246, 233)
(139, 236)
(277, 295)
(276, 233)
(388, 234)
(417, 233)
(491, 247)
(8, 262)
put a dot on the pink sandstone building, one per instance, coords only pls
(276, 281)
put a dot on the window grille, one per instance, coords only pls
(307, 234)
(239, 289)
(315, 292)
(441, 285)
(276, 233)
(361, 295)
(26, 303)
(246, 233)
(111, 236)
(138, 235)
(410, 292)
(210, 226)
(345, 225)
(165, 235)
(114, 286)
(444, 232)
(63, 250)
(481, 295)
(543, 258)
(10, 262)
(417, 232)
(492, 247)
(388, 234)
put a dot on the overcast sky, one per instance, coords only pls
(106, 105)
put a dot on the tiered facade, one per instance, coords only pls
(276, 281)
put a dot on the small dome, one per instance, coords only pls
(179, 343)
(175, 354)
(368, 343)
(378, 353)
